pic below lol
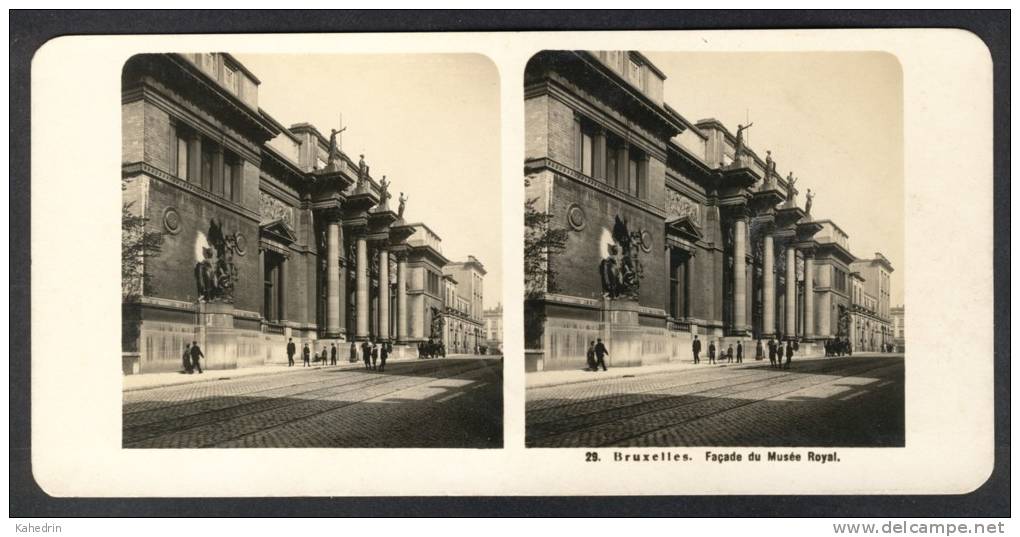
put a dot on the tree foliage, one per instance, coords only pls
(138, 244)
(542, 241)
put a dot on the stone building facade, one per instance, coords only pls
(676, 228)
(269, 232)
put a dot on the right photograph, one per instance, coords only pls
(713, 249)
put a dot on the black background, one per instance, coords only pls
(30, 29)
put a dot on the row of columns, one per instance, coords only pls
(769, 284)
(335, 290)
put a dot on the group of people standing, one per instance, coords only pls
(838, 347)
(775, 351)
(374, 354)
(328, 353)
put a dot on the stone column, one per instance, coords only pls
(281, 293)
(195, 160)
(384, 294)
(361, 292)
(809, 296)
(333, 277)
(262, 282)
(769, 290)
(623, 167)
(401, 330)
(740, 275)
(791, 292)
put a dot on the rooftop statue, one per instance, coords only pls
(791, 191)
(362, 171)
(807, 201)
(333, 151)
(384, 192)
(403, 203)
(739, 148)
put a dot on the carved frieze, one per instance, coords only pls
(271, 209)
(679, 206)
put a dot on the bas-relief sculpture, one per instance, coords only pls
(215, 272)
(271, 209)
(620, 269)
(679, 206)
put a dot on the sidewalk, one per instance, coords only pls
(556, 378)
(146, 381)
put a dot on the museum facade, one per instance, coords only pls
(676, 229)
(268, 232)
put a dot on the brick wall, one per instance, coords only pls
(577, 267)
(157, 137)
(560, 131)
(536, 121)
(132, 127)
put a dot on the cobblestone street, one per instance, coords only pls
(447, 402)
(845, 402)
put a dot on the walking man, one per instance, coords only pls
(789, 354)
(740, 353)
(375, 355)
(291, 349)
(600, 354)
(332, 354)
(711, 352)
(729, 353)
(366, 354)
(186, 359)
(696, 348)
(307, 355)
(590, 355)
(196, 356)
(772, 353)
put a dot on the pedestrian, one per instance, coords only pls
(740, 353)
(354, 353)
(196, 356)
(366, 354)
(384, 353)
(186, 359)
(759, 352)
(711, 352)
(325, 358)
(729, 353)
(696, 348)
(772, 352)
(600, 353)
(590, 355)
(306, 355)
(789, 354)
(291, 349)
(375, 355)
(332, 354)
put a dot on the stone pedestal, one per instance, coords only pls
(621, 333)
(216, 335)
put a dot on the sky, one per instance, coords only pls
(833, 118)
(429, 122)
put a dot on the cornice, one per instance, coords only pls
(130, 170)
(550, 164)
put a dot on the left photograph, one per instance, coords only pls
(311, 251)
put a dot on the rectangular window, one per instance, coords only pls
(230, 78)
(228, 177)
(182, 158)
(587, 149)
(632, 175)
(207, 167)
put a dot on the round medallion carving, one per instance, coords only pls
(172, 220)
(240, 244)
(576, 217)
(646, 241)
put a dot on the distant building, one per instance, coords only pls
(494, 328)
(876, 273)
(464, 333)
(899, 329)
